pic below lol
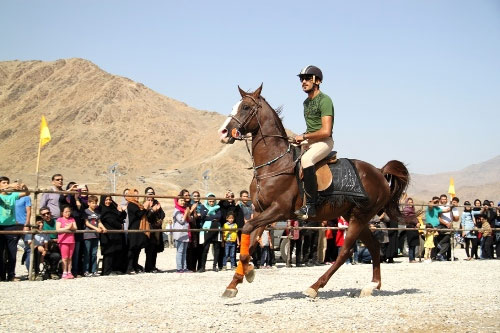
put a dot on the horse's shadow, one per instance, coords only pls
(349, 292)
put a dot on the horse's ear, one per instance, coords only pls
(242, 93)
(256, 93)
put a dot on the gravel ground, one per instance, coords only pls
(442, 296)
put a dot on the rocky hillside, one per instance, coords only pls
(97, 119)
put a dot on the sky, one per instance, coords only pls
(417, 81)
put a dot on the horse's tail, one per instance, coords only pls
(398, 177)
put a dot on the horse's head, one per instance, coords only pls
(243, 118)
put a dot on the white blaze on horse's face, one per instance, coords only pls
(223, 132)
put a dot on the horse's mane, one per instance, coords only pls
(278, 111)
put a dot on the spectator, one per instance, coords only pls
(137, 240)
(469, 234)
(390, 249)
(112, 217)
(66, 240)
(8, 243)
(382, 236)
(339, 240)
(331, 249)
(155, 242)
(446, 219)
(195, 249)
(497, 233)
(92, 223)
(295, 241)
(23, 217)
(490, 214)
(49, 223)
(229, 206)
(211, 219)
(78, 203)
(310, 245)
(486, 231)
(53, 200)
(230, 241)
(429, 242)
(41, 243)
(181, 238)
(266, 245)
(411, 235)
(246, 207)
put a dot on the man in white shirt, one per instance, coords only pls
(450, 214)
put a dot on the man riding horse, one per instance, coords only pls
(318, 113)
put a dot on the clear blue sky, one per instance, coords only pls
(417, 81)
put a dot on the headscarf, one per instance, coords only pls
(211, 209)
(134, 200)
(179, 207)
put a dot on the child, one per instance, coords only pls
(66, 241)
(266, 244)
(429, 242)
(488, 240)
(230, 240)
(92, 222)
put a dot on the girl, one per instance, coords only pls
(429, 242)
(469, 234)
(181, 238)
(66, 241)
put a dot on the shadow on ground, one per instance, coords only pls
(350, 292)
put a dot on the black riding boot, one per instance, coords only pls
(311, 191)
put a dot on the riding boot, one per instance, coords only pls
(311, 192)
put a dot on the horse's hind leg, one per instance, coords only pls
(353, 232)
(373, 246)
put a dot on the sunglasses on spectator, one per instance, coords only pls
(45, 214)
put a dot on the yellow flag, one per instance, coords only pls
(451, 188)
(44, 132)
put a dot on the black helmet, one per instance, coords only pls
(311, 70)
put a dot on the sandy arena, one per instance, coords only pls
(443, 296)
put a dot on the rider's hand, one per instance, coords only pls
(299, 138)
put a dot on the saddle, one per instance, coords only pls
(323, 172)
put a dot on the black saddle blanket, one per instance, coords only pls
(346, 184)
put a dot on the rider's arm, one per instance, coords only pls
(324, 132)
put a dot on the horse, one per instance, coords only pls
(275, 190)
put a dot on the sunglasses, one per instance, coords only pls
(305, 77)
(45, 214)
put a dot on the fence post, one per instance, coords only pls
(32, 245)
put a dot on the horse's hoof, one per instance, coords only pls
(229, 293)
(310, 292)
(368, 289)
(250, 275)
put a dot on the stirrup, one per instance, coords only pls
(306, 211)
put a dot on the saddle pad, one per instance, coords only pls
(346, 180)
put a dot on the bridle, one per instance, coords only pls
(245, 121)
(236, 135)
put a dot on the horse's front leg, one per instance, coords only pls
(247, 245)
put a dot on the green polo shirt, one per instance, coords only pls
(8, 208)
(314, 109)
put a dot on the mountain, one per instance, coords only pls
(477, 181)
(97, 119)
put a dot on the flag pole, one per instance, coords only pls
(38, 161)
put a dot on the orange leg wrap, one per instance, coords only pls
(244, 250)
(245, 244)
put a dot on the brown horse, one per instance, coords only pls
(275, 191)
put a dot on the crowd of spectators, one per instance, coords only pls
(66, 254)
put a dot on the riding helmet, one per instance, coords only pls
(312, 70)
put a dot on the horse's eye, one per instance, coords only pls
(246, 107)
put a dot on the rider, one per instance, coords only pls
(318, 113)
